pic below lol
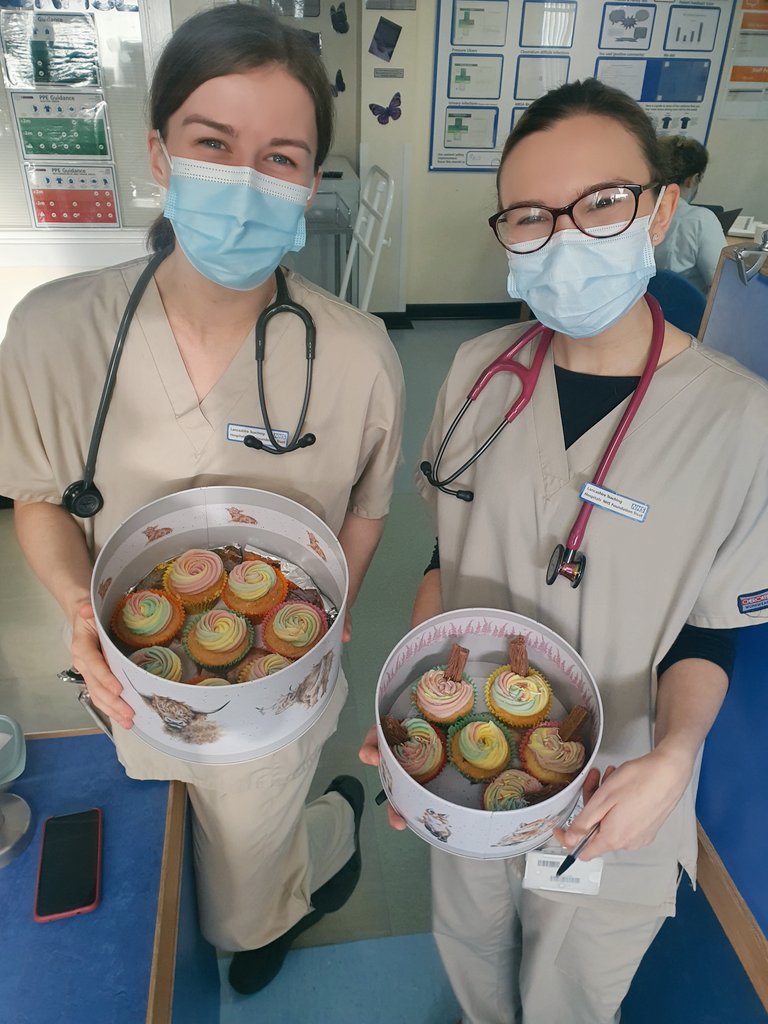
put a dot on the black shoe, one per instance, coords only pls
(253, 969)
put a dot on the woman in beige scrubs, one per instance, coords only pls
(580, 213)
(241, 104)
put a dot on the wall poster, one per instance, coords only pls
(494, 57)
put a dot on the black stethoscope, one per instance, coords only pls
(566, 560)
(83, 498)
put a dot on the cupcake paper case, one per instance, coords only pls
(217, 639)
(481, 748)
(147, 618)
(196, 578)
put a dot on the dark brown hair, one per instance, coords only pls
(589, 97)
(683, 158)
(228, 41)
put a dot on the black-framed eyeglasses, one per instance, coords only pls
(521, 226)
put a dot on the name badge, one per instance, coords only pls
(582, 877)
(238, 431)
(613, 502)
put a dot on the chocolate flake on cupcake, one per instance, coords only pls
(516, 693)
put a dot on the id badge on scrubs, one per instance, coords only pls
(582, 877)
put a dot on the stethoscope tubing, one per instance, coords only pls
(114, 362)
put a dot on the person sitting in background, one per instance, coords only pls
(694, 240)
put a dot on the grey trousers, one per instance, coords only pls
(259, 850)
(516, 957)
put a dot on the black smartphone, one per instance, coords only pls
(69, 874)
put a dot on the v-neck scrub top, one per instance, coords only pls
(696, 453)
(158, 438)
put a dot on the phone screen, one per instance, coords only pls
(69, 864)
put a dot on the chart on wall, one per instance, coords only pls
(494, 57)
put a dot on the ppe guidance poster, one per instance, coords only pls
(494, 57)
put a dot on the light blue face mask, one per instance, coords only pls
(579, 285)
(233, 224)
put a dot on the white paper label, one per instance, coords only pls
(582, 877)
(238, 431)
(613, 502)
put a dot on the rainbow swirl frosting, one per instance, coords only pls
(480, 748)
(252, 579)
(261, 665)
(298, 624)
(220, 631)
(507, 792)
(160, 661)
(146, 612)
(519, 696)
(442, 699)
(422, 755)
(552, 753)
(195, 572)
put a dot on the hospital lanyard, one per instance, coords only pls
(83, 498)
(566, 560)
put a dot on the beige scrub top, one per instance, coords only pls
(696, 453)
(159, 438)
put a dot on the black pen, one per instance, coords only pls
(571, 858)
(381, 797)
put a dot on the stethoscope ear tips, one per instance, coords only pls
(306, 441)
(82, 500)
(252, 442)
(567, 563)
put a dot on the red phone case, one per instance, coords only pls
(77, 910)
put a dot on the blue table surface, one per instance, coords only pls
(96, 966)
(733, 796)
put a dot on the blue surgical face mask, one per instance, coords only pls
(581, 286)
(233, 224)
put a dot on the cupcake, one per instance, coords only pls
(160, 661)
(548, 757)
(254, 587)
(293, 628)
(510, 790)
(217, 639)
(444, 695)
(260, 664)
(147, 618)
(480, 748)
(196, 578)
(422, 754)
(516, 693)
(212, 681)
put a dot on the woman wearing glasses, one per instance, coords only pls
(581, 211)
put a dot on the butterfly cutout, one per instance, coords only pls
(339, 18)
(340, 85)
(156, 532)
(384, 114)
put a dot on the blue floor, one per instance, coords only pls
(689, 976)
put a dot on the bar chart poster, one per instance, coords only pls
(493, 58)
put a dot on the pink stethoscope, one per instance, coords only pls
(566, 559)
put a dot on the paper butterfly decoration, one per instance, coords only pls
(339, 18)
(384, 114)
(339, 85)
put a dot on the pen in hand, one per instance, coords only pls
(571, 858)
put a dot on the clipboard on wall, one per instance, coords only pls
(736, 316)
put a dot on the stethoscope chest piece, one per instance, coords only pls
(82, 499)
(567, 563)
